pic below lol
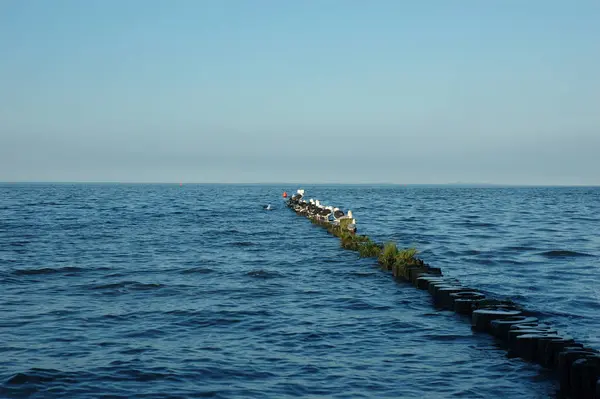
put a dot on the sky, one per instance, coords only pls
(312, 91)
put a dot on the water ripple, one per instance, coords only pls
(150, 291)
(563, 254)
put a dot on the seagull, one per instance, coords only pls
(298, 196)
(337, 214)
(352, 226)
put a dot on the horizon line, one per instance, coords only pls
(297, 183)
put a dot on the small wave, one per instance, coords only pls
(477, 224)
(521, 248)
(246, 313)
(131, 285)
(546, 230)
(209, 322)
(263, 274)
(38, 376)
(19, 243)
(514, 262)
(364, 274)
(242, 244)
(358, 304)
(585, 219)
(445, 337)
(206, 318)
(563, 254)
(47, 270)
(145, 333)
(116, 317)
(14, 324)
(115, 275)
(487, 262)
(470, 252)
(120, 370)
(134, 351)
(548, 314)
(480, 236)
(49, 203)
(197, 270)
(220, 231)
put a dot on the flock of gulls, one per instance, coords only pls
(313, 209)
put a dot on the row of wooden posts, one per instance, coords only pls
(518, 331)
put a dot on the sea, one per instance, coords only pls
(197, 291)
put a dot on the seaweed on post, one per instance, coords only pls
(387, 257)
(369, 249)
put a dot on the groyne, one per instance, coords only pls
(517, 330)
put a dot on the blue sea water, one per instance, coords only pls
(168, 291)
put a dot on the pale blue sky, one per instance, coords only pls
(499, 91)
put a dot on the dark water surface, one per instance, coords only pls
(195, 291)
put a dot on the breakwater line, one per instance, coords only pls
(519, 331)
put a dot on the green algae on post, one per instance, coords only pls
(388, 255)
(369, 249)
(351, 241)
(399, 260)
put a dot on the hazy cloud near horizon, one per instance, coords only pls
(340, 91)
